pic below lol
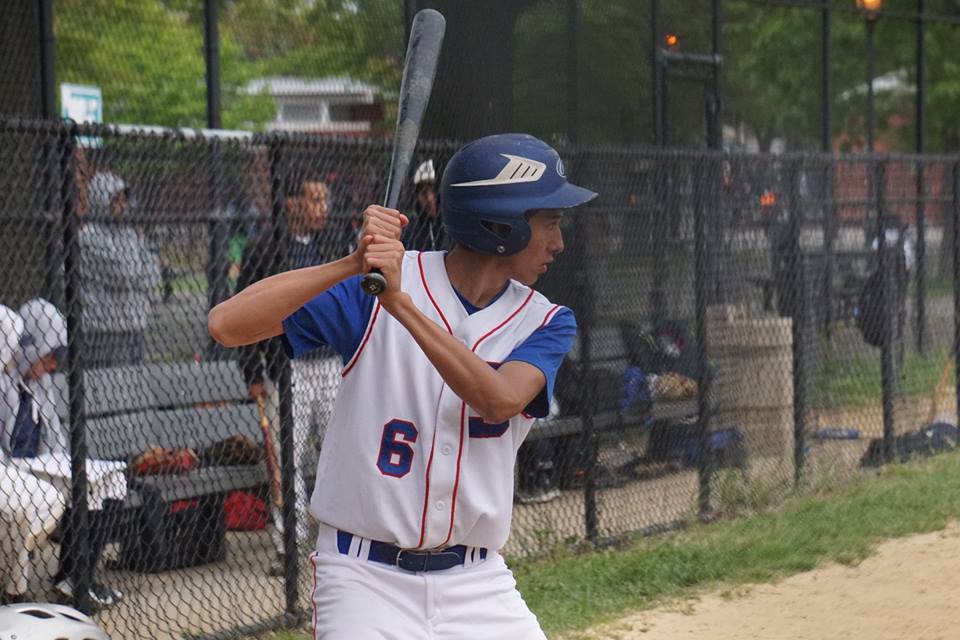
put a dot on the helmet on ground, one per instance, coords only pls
(40, 621)
(490, 184)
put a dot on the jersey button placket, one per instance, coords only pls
(442, 479)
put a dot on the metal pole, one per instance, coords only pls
(48, 100)
(573, 70)
(799, 309)
(888, 349)
(278, 179)
(409, 10)
(826, 101)
(871, 24)
(921, 328)
(657, 71)
(955, 213)
(702, 279)
(715, 140)
(211, 37)
(78, 521)
(590, 442)
(830, 235)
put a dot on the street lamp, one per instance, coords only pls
(871, 11)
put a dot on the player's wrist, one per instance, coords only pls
(396, 302)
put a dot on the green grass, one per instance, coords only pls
(578, 592)
(571, 591)
(857, 382)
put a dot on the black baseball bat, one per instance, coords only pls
(419, 68)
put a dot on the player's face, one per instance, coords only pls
(46, 364)
(546, 242)
(427, 197)
(313, 205)
(118, 203)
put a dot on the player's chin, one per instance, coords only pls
(528, 278)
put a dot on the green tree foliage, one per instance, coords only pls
(147, 58)
(772, 75)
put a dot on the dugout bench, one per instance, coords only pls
(130, 409)
(668, 421)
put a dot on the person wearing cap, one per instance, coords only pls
(314, 379)
(30, 508)
(121, 277)
(425, 231)
(36, 441)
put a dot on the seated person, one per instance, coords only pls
(37, 441)
(662, 365)
(29, 507)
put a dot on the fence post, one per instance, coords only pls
(218, 258)
(889, 369)
(278, 177)
(590, 441)
(955, 213)
(78, 540)
(829, 237)
(921, 317)
(800, 274)
(703, 279)
(211, 49)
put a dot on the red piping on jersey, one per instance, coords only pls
(500, 326)
(463, 411)
(456, 483)
(547, 318)
(356, 356)
(313, 596)
(423, 279)
(426, 493)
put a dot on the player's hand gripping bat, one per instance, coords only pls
(420, 66)
(270, 454)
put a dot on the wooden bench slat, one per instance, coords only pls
(156, 386)
(189, 383)
(202, 481)
(123, 436)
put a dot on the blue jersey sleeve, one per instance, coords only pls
(545, 349)
(336, 318)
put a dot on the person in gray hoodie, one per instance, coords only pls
(121, 277)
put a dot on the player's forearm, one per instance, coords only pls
(468, 375)
(259, 310)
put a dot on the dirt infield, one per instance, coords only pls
(907, 590)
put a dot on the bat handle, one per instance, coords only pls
(374, 283)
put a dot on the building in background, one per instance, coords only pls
(332, 105)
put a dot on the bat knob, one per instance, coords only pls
(374, 283)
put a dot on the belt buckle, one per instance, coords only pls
(422, 556)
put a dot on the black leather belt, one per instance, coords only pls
(413, 560)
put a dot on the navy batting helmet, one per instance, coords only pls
(491, 183)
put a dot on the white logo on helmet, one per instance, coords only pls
(518, 170)
(561, 171)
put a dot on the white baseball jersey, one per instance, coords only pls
(405, 460)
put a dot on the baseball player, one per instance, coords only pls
(443, 376)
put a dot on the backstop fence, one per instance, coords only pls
(749, 327)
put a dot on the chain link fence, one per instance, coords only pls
(743, 336)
